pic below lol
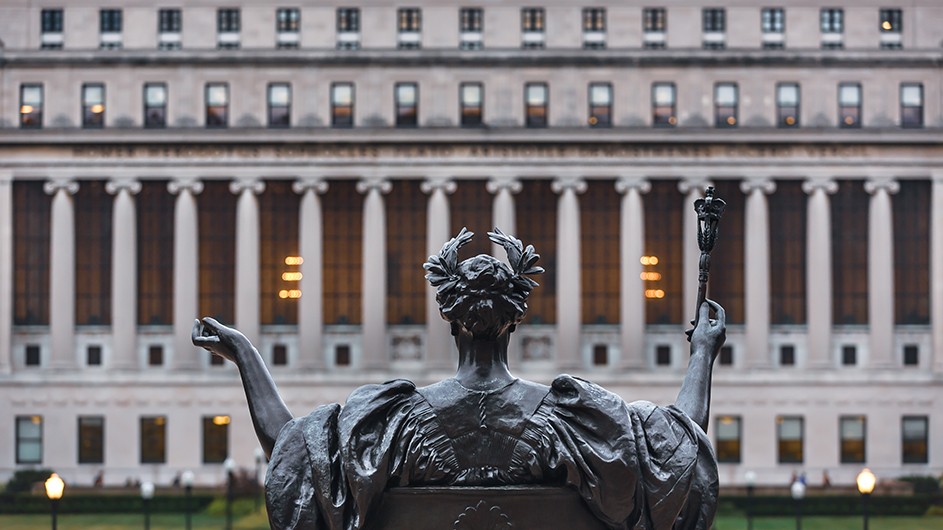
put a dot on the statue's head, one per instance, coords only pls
(482, 295)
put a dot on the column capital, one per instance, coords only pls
(256, 186)
(639, 184)
(887, 184)
(431, 185)
(302, 185)
(116, 186)
(194, 186)
(575, 184)
(380, 184)
(765, 186)
(51, 187)
(829, 186)
(699, 184)
(497, 184)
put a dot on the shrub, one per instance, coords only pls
(23, 480)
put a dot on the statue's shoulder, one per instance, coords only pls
(575, 392)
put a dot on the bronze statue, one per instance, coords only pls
(635, 465)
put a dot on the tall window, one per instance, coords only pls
(31, 106)
(787, 214)
(911, 105)
(343, 254)
(663, 260)
(93, 105)
(287, 26)
(153, 439)
(537, 218)
(91, 439)
(155, 105)
(599, 223)
(891, 26)
(279, 105)
(914, 439)
(406, 100)
(535, 102)
(29, 439)
(532, 27)
(773, 25)
(31, 229)
(228, 26)
(729, 286)
(594, 27)
(217, 214)
(471, 207)
(849, 104)
(93, 206)
(280, 267)
(215, 439)
(654, 26)
(410, 28)
(789, 434)
(725, 104)
(600, 105)
(110, 26)
(155, 226)
(715, 26)
(664, 102)
(471, 101)
(470, 26)
(728, 439)
(169, 25)
(51, 29)
(911, 211)
(342, 105)
(217, 105)
(850, 253)
(787, 104)
(852, 433)
(405, 302)
(832, 24)
(348, 28)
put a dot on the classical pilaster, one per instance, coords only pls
(881, 272)
(439, 346)
(502, 212)
(311, 249)
(124, 269)
(632, 287)
(936, 271)
(6, 273)
(819, 271)
(756, 271)
(248, 257)
(186, 271)
(692, 189)
(62, 274)
(569, 307)
(375, 345)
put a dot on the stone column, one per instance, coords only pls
(186, 271)
(502, 211)
(124, 273)
(375, 345)
(439, 345)
(248, 256)
(693, 189)
(881, 272)
(819, 271)
(311, 249)
(756, 271)
(62, 274)
(936, 271)
(6, 272)
(569, 292)
(632, 288)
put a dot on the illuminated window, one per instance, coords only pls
(773, 25)
(348, 28)
(664, 100)
(728, 433)
(93, 105)
(532, 27)
(29, 439)
(110, 26)
(287, 25)
(594, 28)
(852, 436)
(280, 264)
(169, 25)
(215, 439)
(31, 106)
(535, 102)
(849, 105)
(600, 105)
(410, 28)
(664, 254)
(471, 101)
(217, 105)
(342, 105)
(715, 27)
(91, 439)
(914, 439)
(51, 29)
(789, 434)
(153, 440)
(406, 96)
(342, 253)
(228, 26)
(832, 24)
(725, 104)
(654, 25)
(279, 105)
(470, 26)
(155, 105)
(787, 105)
(891, 26)
(911, 105)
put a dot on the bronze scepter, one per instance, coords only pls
(709, 209)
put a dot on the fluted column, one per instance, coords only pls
(569, 292)
(311, 249)
(756, 271)
(186, 271)
(62, 274)
(6, 272)
(692, 189)
(375, 348)
(631, 286)
(881, 272)
(819, 271)
(936, 271)
(502, 213)
(248, 257)
(439, 346)
(124, 287)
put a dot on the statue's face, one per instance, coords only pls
(480, 303)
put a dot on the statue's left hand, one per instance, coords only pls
(710, 333)
(221, 340)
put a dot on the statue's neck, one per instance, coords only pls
(483, 363)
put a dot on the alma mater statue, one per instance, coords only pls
(636, 465)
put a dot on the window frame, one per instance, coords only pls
(337, 121)
(471, 115)
(846, 449)
(156, 431)
(924, 444)
(213, 112)
(51, 20)
(212, 431)
(536, 116)
(916, 121)
(724, 113)
(34, 118)
(849, 115)
(169, 20)
(533, 27)
(783, 452)
(110, 20)
(90, 118)
(347, 28)
(290, 22)
(894, 16)
(832, 20)
(600, 115)
(773, 20)
(672, 118)
(786, 112)
(275, 119)
(21, 439)
(159, 120)
(720, 444)
(654, 20)
(406, 115)
(95, 447)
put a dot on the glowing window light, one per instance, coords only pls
(221, 420)
(294, 293)
(98, 109)
(26, 109)
(649, 260)
(291, 276)
(650, 276)
(294, 260)
(654, 293)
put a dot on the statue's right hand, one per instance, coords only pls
(219, 339)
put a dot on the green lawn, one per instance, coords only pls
(735, 522)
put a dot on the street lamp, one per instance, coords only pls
(54, 486)
(259, 455)
(229, 465)
(147, 493)
(187, 479)
(866, 481)
(798, 492)
(750, 478)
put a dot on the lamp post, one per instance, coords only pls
(187, 479)
(147, 493)
(866, 481)
(54, 486)
(229, 465)
(259, 455)
(798, 492)
(750, 478)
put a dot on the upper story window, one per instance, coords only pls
(715, 27)
(600, 105)
(728, 439)
(471, 101)
(410, 28)
(594, 28)
(914, 430)
(789, 433)
(153, 448)
(832, 22)
(536, 96)
(406, 99)
(31, 106)
(849, 105)
(852, 434)
(470, 26)
(110, 27)
(51, 29)
(29, 439)
(348, 28)
(891, 26)
(169, 25)
(911, 105)
(228, 26)
(217, 105)
(664, 102)
(91, 439)
(654, 26)
(279, 105)
(287, 26)
(93, 105)
(787, 105)
(532, 27)
(155, 105)
(215, 439)
(773, 24)
(725, 104)
(342, 105)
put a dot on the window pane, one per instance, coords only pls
(93, 95)
(343, 94)
(406, 94)
(664, 94)
(155, 95)
(911, 95)
(32, 95)
(91, 439)
(726, 94)
(215, 439)
(600, 94)
(279, 95)
(849, 95)
(536, 94)
(471, 95)
(217, 95)
(153, 440)
(788, 95)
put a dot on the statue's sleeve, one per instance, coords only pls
(636, 465)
